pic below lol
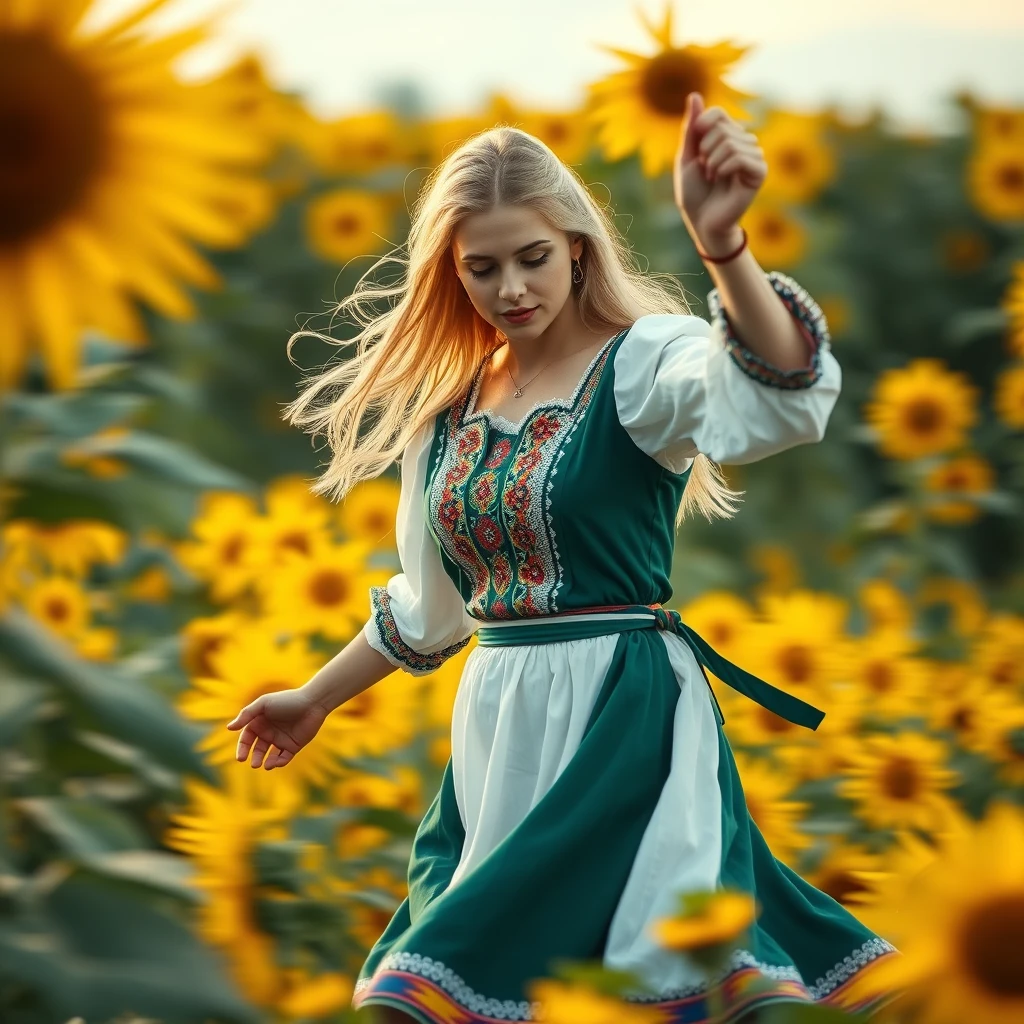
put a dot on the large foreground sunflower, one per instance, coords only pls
(642, 108)
(112, 168)
(962, 925)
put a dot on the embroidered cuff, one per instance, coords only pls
(810, 319)
(382, 635)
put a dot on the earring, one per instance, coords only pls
(577, 268)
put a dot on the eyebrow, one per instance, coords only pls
(523, 248)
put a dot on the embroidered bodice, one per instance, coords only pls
(575, 505)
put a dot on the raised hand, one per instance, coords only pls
(284, 719)
(718, 169)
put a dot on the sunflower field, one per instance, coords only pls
(163, 562)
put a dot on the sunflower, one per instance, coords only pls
(1008, 399)
(571, 1002)
(891, 682)
(777, 564)
(723, 917)
(362, 789)
(201, 637)
(897, 780)
(368, 512)
(64, 607)
(1012, 304)
(800, 645)
(567, 134)
(840, 873)
(218, 830)
(295, 520)
(325, 591)
(1000, 734)
(998, 123)
(311, 996)
(995, 179)
(361, 144)
(776, 238)
(381, 718)
(921, 409)
(829, 750)
(442, 684)
(247, 665)
(800, 162)
(642, 108)
(968, 611)
(116, 167)
(153, 585)
(765, 790)
(346, 223)
(965, 475)
(443, 136)
(962, 711)
(72, 547)
(223, 552)
(998, 652)
(964, 250)
(885, 605)
(87, 454)
(962, 919)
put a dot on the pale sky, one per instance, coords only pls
(908, 54)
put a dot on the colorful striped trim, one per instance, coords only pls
(422, 989)
(810, 319)
(383, 636)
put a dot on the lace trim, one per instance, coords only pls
(808, 315)
(383, 636)
(523, 1010)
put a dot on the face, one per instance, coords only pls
(511, 257)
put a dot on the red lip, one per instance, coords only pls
(519, 316)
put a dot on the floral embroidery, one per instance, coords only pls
(486, 499)
(450, 995)
(809, 317)
(385, 638)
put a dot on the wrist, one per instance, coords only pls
(718, 243)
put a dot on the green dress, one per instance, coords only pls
(590, 779)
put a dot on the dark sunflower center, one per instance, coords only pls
(346, 224)
(879, 676)
(719, 633)
(296, 541)
(795, 663)
(841, 885)
(231, 551)
(773, 228)
(359, 706)
(1011, 177)
(375, 522)
(923, 416)
(329, 588)
(900, 778)
(57, 609)
(668, 79)
(793, 161)
(992, 944)
(772, 722)
(53, 135)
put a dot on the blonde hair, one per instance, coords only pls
(420, 356)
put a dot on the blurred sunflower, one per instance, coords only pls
(998, 123)
(202, 636)
(346, 223)
(567, 134)
(295, 520)
(885, 605)
(840, 873)
(800, 162)
(443, 136)
(361, 144)
(368, 512)
(830, 749)
(73, 546)
(643, 108)
(402, 791)
(898, 781)
(86, 453)
(218, 830)
(765, 790)
(891, 682)
(312, 996)
(441, 686)
(779, 567)
(1000, 734)
(800, 645)
(325, 591)
(1008, 399)
(961, 920)
(997, 655)
(995, 179)
(247, 665)
(962, 713)
(381, 718)
(967, 475)
(921, 409)
(775, 237)
(224, 551)
(114, 168)
(570, 1002)
(1012, 304)
(61, 604)
(723, 917)
(968, 610)
(837, 313)
(964, 250)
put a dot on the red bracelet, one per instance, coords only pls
(731, 256)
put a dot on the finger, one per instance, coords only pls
(278, 758)
(245, 739)
(247, 714)
(692, 135)
(742, 162)
(727, 152)
(258, 750)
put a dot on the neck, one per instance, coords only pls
(563, 337)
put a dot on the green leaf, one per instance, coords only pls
(20, 700)
(82, 827)
(126, 706)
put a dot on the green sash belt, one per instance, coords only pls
(605, 621)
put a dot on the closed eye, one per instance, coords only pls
(528, 263)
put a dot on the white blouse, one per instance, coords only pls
(682, 386)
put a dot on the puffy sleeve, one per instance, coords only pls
(419, 619)
(684, 386)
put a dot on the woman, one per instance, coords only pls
(547, 459)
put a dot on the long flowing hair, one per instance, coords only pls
(420, 355)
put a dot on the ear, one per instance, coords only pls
(576, 248)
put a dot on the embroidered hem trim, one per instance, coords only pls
(809, 317)
(382, 635)
(433, 988)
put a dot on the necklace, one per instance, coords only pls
(519, 387)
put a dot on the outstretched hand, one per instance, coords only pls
(718, 169)
(285, 719)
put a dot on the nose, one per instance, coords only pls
(511, 288)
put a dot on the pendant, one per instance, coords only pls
(518, 393)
